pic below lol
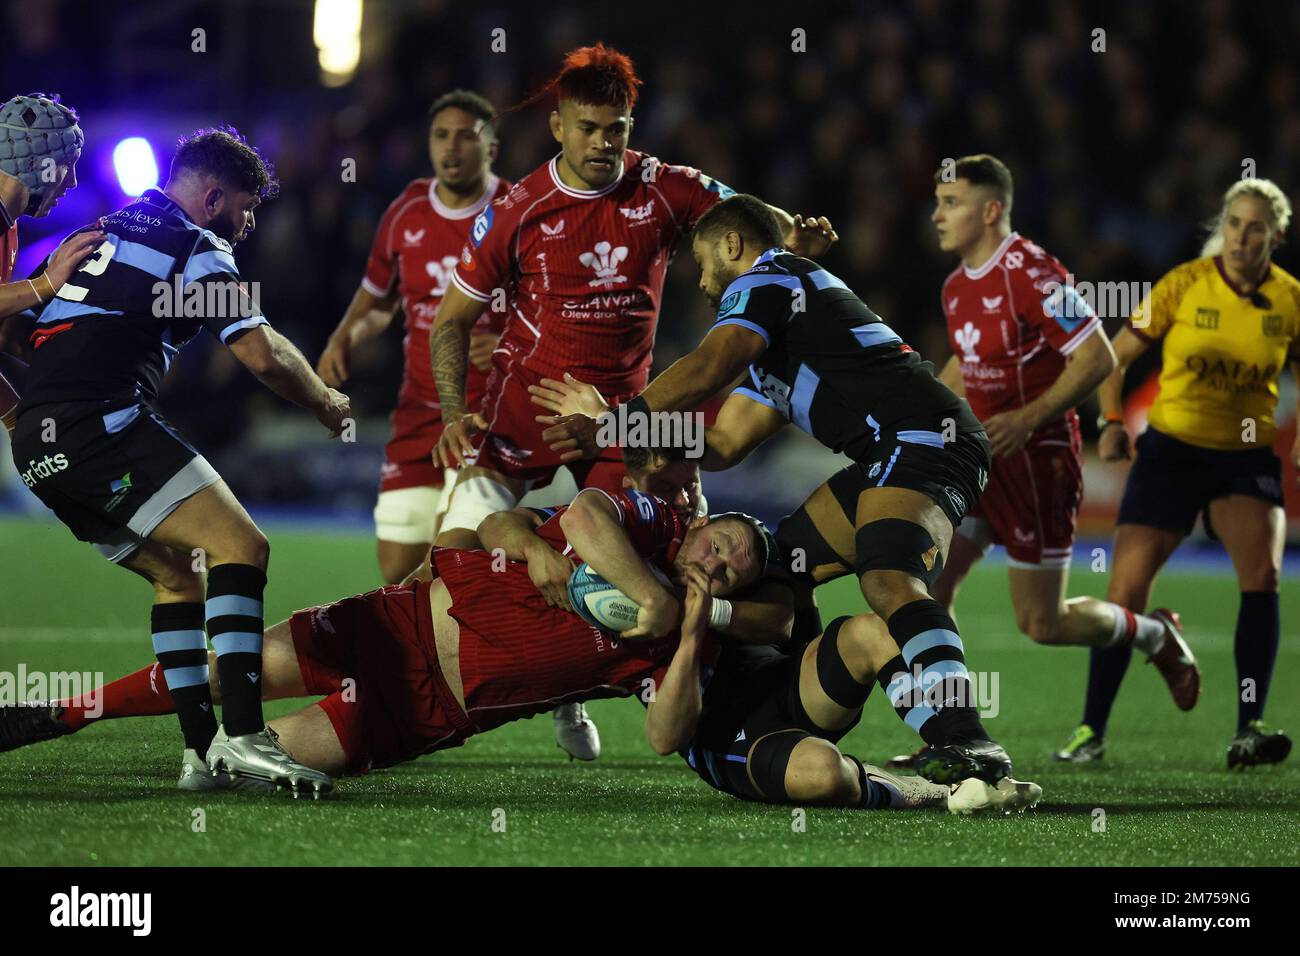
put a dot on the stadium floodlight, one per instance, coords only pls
(134, 163)
(336, 30)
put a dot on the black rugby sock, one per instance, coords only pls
(235, 620)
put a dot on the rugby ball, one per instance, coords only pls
(601, 604)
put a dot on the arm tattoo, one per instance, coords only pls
(449, 351)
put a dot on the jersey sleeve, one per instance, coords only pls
(381, 265)
(651, 525)
(485, 262)
(1052, 304)
(762, 302)
(1155, 314)
(229, 309)
(688, 191)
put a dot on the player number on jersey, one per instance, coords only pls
(94, 266)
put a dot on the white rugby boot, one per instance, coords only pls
(575, 732)
(973, 795)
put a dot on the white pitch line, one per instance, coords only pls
(73, 635)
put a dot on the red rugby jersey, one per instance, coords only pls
(416, 245)
(581, 272)
(1012, 322)
(519, 656)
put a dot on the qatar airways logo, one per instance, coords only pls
(605, 259)
(967, 338)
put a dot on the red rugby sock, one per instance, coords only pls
(142, 694)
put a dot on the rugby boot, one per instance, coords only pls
(260, 757)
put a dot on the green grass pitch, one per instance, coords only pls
(107, 796)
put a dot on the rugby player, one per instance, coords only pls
(41, 141)
(818, 357)
(413, 668)
(574, 256)
(91, 445)
(416, 245)
(1225, 324)
(763, 724)
(1027, 348)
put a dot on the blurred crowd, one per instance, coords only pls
(1121, 141)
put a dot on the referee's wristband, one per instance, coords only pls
(1112, 419)
(719, 614)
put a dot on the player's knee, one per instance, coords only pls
(1263, 578)
(1039, 627)
(174, 581)
(818, 773)
(887, 591)
(257, 549)
(393, 567)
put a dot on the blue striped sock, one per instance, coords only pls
(182, 651)
(235, 621)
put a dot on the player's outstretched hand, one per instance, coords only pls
(70, 254)
(570, 397)
(481, 347)
(811, 236)
(572, 436)
(1113, 444)
(457, 441)
(699, 602)
(550, 572)
(335, 413)
(335, 362)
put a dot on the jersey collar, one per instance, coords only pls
(554, 168)
(490, 183)
(1236, 289)
(992, 260)
(769, 255)
(156, 197)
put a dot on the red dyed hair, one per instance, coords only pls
(598, 75)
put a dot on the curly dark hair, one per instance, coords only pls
(223, 152)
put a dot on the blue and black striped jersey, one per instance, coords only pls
(112, 330)
(832, 366)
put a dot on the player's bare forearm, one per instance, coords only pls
(449, 349)
(716, 362)
(367, 316)
(279, 366)
(1087, 367)
(741, 426)
(672, 717)
(764, 617)
(449, 352)
(1127, 348)
(25, 294)
(591, 526)
(512, 532)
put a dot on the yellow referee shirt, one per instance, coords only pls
(1222, 353)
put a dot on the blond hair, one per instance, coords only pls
(1279, 210)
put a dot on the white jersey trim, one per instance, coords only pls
(992, 260)
(553, 168)
(490, 185)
